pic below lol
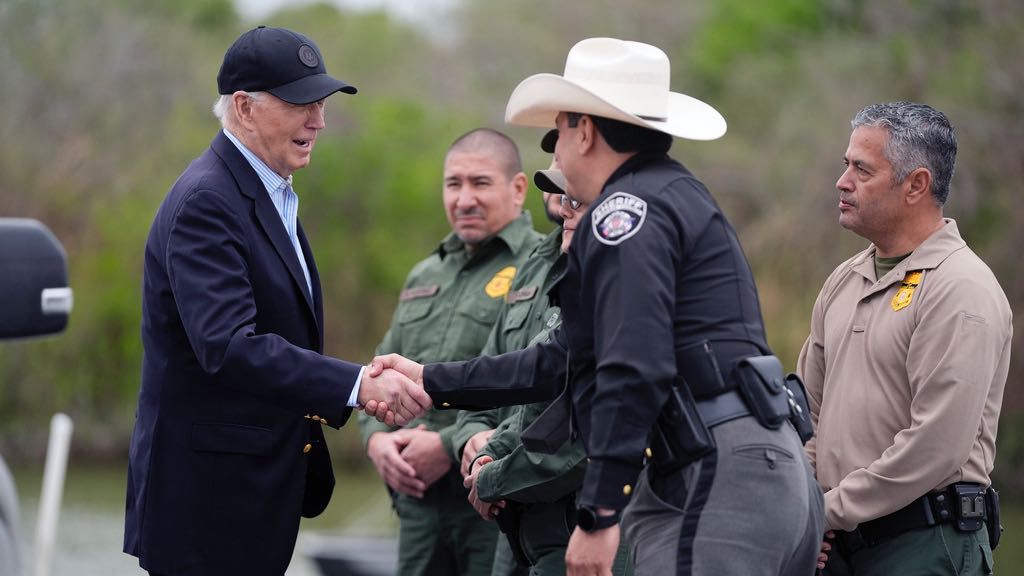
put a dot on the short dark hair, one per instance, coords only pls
(491, 142)
(919, 137)
(625, 137)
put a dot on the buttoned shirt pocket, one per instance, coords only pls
(474, 319)
(414, 310)
(516, 316)
(231, 438)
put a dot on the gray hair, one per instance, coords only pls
(919, 137)
(222, 106)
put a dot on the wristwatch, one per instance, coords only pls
(589, 520)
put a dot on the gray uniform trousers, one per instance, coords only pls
(750, 508)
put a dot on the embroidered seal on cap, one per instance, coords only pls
(619, 217)
(308, 56)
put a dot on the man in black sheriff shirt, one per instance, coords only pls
(686, 416)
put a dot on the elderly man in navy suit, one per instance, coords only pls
(228, 450)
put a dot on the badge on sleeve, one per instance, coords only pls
(618, 217)
(905, 295)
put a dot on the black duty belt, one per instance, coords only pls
(722, 408)
(940, 507)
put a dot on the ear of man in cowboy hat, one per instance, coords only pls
(616, 79)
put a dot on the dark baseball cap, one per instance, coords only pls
(285, 63)
(550, 181)
(547, 143)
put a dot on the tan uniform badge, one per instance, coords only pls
(905, 295)
(501, 282)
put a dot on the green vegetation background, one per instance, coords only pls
(104, 102)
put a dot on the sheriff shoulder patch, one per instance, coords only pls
(618, 218)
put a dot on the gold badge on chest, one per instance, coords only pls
(905, 295)
(500, 283)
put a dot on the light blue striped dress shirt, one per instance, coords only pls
(285, 200)
(287, 203)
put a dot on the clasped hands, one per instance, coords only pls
(392, 390)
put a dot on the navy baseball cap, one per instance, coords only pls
(285, 63)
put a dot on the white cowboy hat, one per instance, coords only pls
(617, 79)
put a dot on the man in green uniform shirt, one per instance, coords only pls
(445, 312)
(532, 496)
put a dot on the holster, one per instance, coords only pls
(679, 436)
(509, 523)
(995, 526)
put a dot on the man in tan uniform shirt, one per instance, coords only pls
(906, 362)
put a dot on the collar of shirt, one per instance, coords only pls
(285, 200)
(271, 180)
(276, 185)
(630, 165)
(514, 235)
(929, 254)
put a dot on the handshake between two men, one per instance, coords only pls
(392, 390)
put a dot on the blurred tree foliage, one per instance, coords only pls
(106, 101)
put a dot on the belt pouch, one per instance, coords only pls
(799, 410)
(970, 507)
(761, 383)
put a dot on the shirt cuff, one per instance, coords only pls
(353, 398)
(608, 483)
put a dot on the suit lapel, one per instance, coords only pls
(314, 279)
(251, 185)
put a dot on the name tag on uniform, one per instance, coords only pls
(521, 295)
(418, 292)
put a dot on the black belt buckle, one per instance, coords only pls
(969, 502)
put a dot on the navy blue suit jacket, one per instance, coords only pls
(222, 461)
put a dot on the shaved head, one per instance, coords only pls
(488, 142)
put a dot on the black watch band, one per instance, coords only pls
(589, 520)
